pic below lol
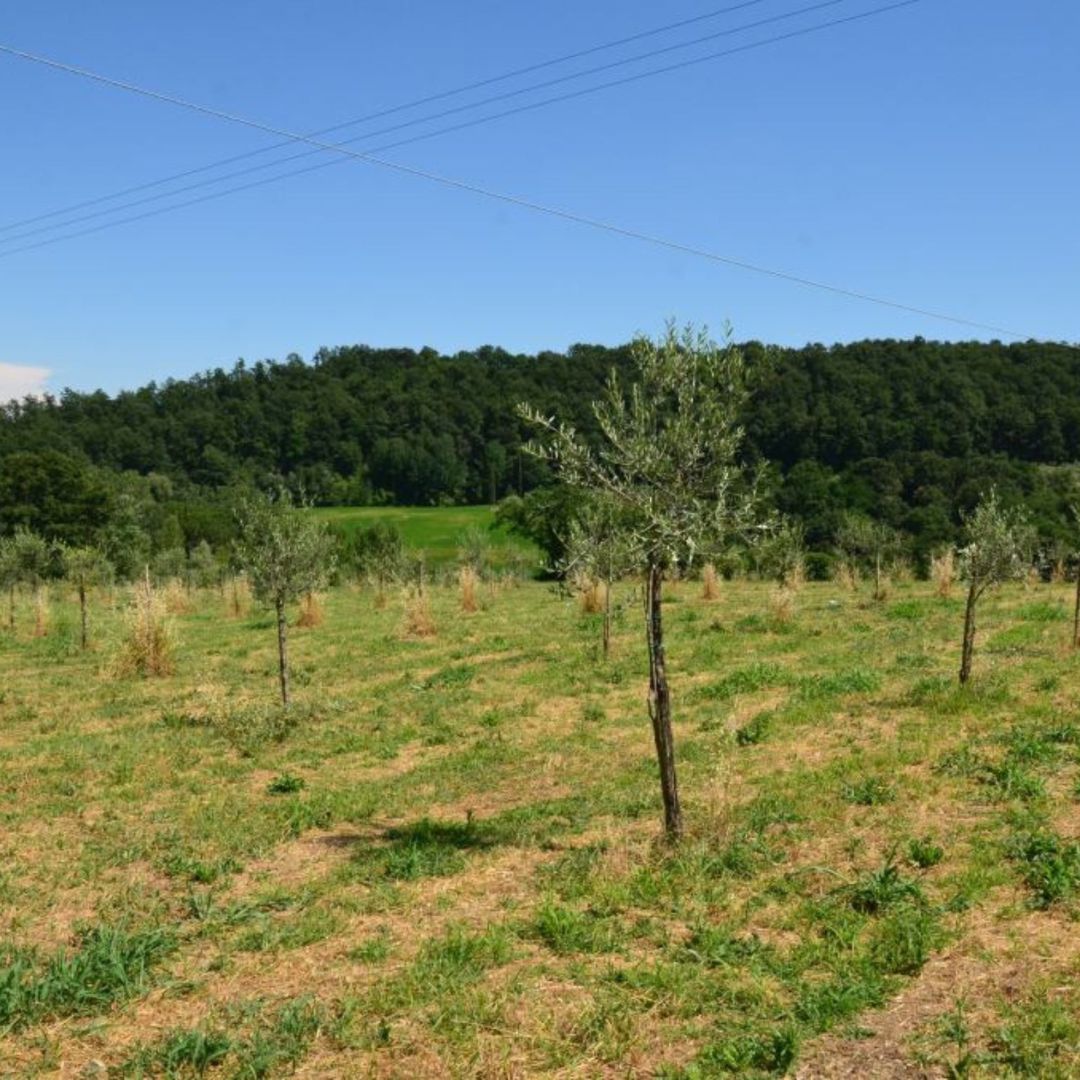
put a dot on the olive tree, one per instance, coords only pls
(9, 576)
(862, 539)
(86, 568)
(668, 461)
(596, 547)
(998, 548)
(287, 554)
(33, 559)
(1075, 509)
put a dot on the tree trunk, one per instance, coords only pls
(283, 651)
(11, 608)
(82, 615)
(607, 619)
(660, 703)
(1076, 612)
(39, 612)
(969, 634)
(877, 577)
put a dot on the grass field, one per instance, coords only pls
(434, 530)
(448, 863)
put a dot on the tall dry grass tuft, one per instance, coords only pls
(468, 581)
(239, 597)
(311, 612)
(417, 621)
(943, 573)
(1058, 575)
(795, 578)
(1032, 579)
(782, 604)
(847, 577)
(176, 598)
(41, 612)
(593, 597)
(149, 646)
(710, 583)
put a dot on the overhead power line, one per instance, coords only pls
(429, 118)
(513, 200)
(392, 110)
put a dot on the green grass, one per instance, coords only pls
(434, 530)
(446, 857)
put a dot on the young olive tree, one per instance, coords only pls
(9, 576)
(33, 559)
(668, 462)
(998, 549)
(596, 547)
(1075, 509)
(86, 568)
(780, 553)
(286, 555)
(864, 540)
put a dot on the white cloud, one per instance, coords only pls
(18, 380)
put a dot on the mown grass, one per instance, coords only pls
(446, 860)
(435, 531)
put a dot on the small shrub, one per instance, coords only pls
(285, 784)
(924, 853)
(871, 791)
(881, 888)
(755, 730)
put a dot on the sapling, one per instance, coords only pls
(286, 555)
(862, 539)
(668, 461)
(596, 549)
(86, 568)
(9, 576)
(32, 561)
(998, 549)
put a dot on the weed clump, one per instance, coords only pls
(148, 648)
(710, 585)
(417, 621)
(311, 612)
(468, 580)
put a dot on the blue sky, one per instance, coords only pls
(928, 155)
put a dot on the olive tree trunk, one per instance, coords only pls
(607, 619)
(283, 649)
(1076, 612)
(968, 649)
(660, 703)
(11, 608)
(82, 616)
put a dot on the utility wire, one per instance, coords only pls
(513, 200)
(393, 110)
(456, 110)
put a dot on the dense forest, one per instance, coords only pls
(910, 432)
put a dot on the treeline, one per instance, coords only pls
(910, 432)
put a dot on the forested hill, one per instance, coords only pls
(907, 430)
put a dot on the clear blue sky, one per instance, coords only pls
(929, 155)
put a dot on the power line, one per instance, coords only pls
(513, 200)
(456, 110)
(394, 109)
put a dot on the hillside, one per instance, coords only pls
(909, 431)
